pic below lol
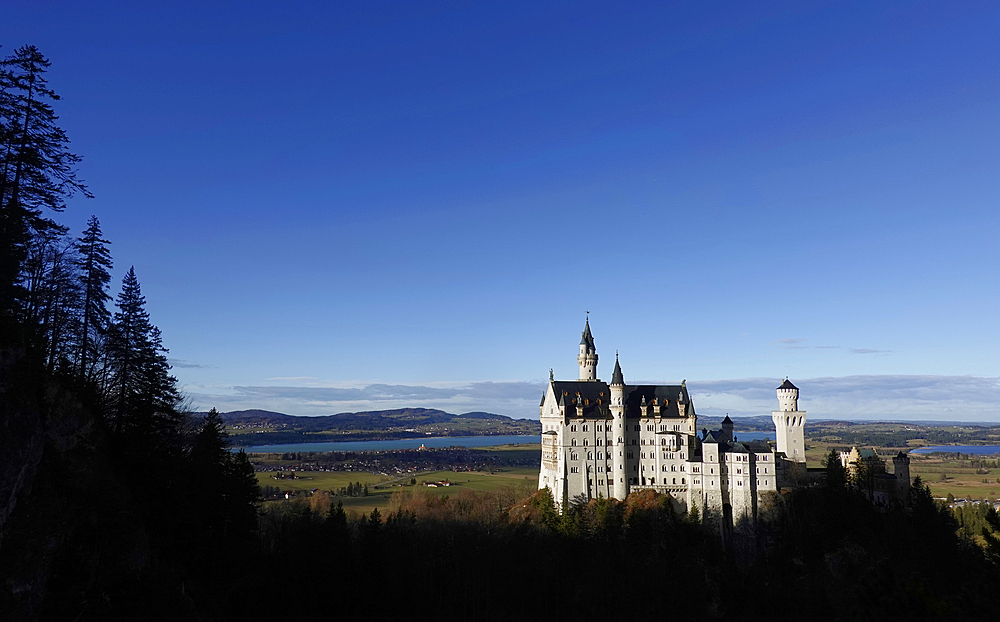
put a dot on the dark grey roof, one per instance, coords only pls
(617, 378)
(587, 339)
(727, 420)
(788, 385)
(664, 396)
(596, 396)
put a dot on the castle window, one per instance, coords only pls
(649, 428)
(663, 441)
(697, 481)
(585, 427)
(630, 455)
(600, 482)
(643, 441)
(585, 441)
(574, 469)
(600, 469)
(652, 480)
(590, 455)
(572, 428)
(682, 481)
(637, 427)
(682, 456)
(696, 469)
(682, 467)
(673, 467)
(600, 456)
(675, 480)
(572, 442)
(600, 442)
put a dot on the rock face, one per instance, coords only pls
(21, 434)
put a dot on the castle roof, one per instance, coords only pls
(587, 339)
(596, 397)
(617, 378)
(787, 385)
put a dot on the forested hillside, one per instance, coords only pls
(260, 426)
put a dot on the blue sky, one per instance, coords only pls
(347, 206)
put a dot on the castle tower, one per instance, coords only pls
(588, 355)
(618, 450)
(901, 469)
(789, 423)
(727, 429)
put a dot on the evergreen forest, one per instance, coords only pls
(117, 503)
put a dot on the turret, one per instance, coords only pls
(588, 354)
(789, 423)
(617, 407)
(727, 429)
(788, 397)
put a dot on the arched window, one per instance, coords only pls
(590, 455)
(573, 442)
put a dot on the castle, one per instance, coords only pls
(607, 440)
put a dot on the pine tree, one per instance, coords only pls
(37, 171)
(141, 390)
(52, 297)
(95, 275)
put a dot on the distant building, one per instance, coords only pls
(868, 471)
(607, 440)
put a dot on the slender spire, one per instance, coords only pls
(587, 339)
(617, 377)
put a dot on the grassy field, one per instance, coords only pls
(380, 487)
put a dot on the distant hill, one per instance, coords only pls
(259, 427)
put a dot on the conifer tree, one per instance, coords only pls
(37, 170)
(51, 296)
(95, 275)
(141, 390)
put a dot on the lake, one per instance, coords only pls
(403, 443)
(962, 449)
(430, 442)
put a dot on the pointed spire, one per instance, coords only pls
(587, 339)
(617, 377)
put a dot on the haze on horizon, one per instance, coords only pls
(368, 206)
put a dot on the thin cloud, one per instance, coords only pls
(891, 397)
(868, 351)
(182, 364)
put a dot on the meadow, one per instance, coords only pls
(381, 487)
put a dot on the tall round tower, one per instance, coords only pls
(789, 423)
(588, 355)
(617, 406)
